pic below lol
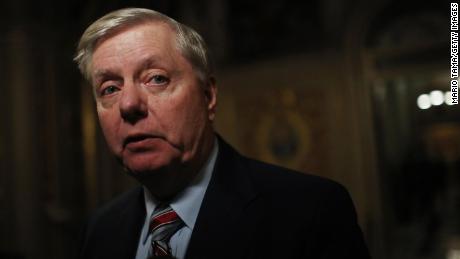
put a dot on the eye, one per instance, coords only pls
(159, 80)
(109, 90)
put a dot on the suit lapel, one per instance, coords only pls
(228, 194)
(125, 237)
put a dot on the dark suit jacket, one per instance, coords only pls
(250, 210)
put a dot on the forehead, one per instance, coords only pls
(136, 41)
(151, 33)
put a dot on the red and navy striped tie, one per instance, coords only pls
(163, 224)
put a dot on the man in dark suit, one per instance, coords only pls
(156, 100)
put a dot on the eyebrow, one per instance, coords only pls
(104, 74)
(148, 62)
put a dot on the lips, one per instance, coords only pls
(137, 141)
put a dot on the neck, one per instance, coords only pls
(167, 183)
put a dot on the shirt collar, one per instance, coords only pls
(188, 202)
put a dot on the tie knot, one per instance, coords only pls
(164, 223)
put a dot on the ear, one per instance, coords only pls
(211, 97)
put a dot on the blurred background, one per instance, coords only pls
(356, 91)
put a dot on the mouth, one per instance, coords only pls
(136, 138)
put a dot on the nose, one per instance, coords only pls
(133, 106)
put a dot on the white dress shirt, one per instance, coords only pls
(186, 204)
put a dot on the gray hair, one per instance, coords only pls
(189, 42)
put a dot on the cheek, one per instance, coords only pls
(181, 118)
(192, 116)
(108, 122)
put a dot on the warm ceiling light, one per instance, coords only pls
(448, 98)
(423, 102)
(436, 97)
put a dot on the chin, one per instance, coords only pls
(147, 164)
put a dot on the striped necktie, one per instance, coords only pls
(163, 224)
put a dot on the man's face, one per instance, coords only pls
(153, 110)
